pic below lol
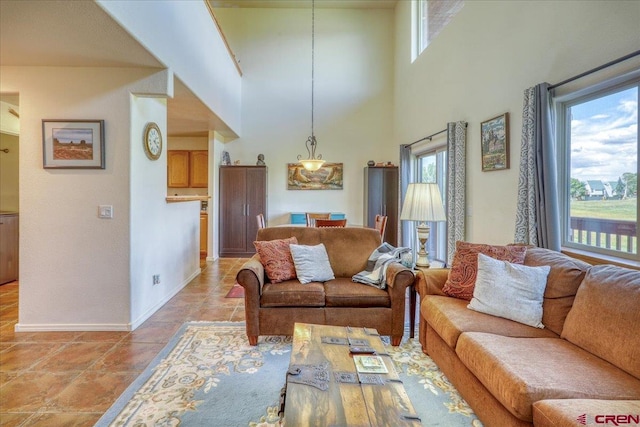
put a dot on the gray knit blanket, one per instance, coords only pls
(379, 260)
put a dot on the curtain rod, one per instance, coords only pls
(426, 137)
(430, 136)
(593, 70)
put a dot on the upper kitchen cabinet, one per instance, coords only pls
(199, 169)
(187, 168)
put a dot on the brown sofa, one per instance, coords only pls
(273, 308)
(585, 362)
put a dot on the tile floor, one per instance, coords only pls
(72, 378)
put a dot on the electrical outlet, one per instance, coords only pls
(156, 279)
(105, 211)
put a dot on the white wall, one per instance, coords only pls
(353, 98)
(478, 68)
(165, 237)
(182, 35)
(79, 272)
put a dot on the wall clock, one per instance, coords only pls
(152, 141)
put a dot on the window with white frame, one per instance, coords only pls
(432, 168)
(597, 134)
(430, 17)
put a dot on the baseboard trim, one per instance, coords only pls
(73, 327)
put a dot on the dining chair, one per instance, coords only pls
(331, 222)
(381, 225)
(312, 216)
(260, 220)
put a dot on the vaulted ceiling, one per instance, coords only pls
(86, 36)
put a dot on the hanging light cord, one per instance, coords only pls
(313, 43)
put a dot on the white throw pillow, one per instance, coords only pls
(512, 291)
(312, 263)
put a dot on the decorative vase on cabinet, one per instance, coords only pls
(381, 198)
(243, 195)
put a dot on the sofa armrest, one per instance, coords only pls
(397, 275)
(430, 281)
(251, 274)
(251, 277)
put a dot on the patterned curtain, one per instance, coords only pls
(456, 185)
(406, 173)
(538, 213)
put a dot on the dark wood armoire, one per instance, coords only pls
(243, 195)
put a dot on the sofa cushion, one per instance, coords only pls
(292, 293)
(276, 258)
(521, 371)
(342, 292)
(464, 268)
(565, 276)
(450, 317)
(565, 412)
(605, 317)
(348, 247)
(510, 290)
(312, 263)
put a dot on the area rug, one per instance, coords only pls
(236, 291)
(209, 375)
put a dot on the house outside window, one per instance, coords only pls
(597, 134)
(430, 17)
(432, 168)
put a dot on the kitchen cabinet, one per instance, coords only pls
(243, 195)
(199, 169)
(204, 234)
(381, 198)
(8, 247)
(177, 169)
(187, 168)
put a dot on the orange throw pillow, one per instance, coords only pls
(464, 268)
(275, 256)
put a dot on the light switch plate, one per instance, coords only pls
(105, 211)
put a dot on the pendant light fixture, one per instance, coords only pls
(313, 163)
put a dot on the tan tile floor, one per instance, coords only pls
(72, 378)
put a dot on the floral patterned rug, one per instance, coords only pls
(209, 375)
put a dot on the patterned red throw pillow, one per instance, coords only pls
(464, 268)
(275, 256)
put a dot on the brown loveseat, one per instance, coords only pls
(584, 363)
(273, 308)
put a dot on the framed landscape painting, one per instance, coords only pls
(495, 143)
(328, 177)
(73, 144)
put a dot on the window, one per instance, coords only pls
(598, 141)
(430, 17)
(432, 167)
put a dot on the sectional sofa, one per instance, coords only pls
(582, 368)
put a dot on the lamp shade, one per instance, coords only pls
(422, 202)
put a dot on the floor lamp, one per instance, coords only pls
(422, 203)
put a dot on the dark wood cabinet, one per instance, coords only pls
(381, 198)
(243, 195)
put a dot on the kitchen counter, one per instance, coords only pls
(175, 199)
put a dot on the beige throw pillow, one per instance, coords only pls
(509, 290)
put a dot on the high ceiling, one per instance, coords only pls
(329, 4)
(86, 36)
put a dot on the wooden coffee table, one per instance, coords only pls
(325, 389)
